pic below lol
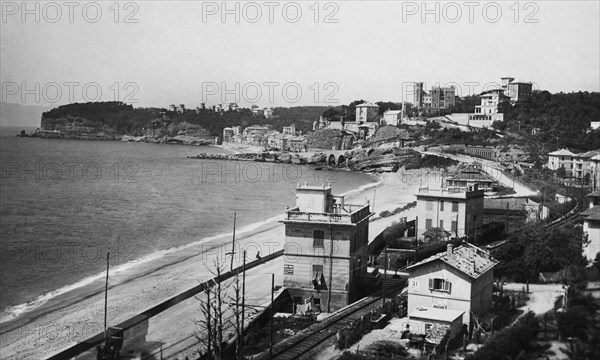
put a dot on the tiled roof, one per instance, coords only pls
(471, 172)
(594, 194)
(562, 152)
(393, 112)
(467, 258)
(589, 154)
(592, 214)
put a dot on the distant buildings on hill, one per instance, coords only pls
(437, 98)
(487, 113)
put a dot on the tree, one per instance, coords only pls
(213, 328)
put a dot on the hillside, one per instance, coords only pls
(562, 120)
(114, 120)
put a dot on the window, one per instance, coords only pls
(317, 271)
(318, 238)
(441, 224)
(454, 225)
(428, 224)
(454, 206)
(437, 284)
(429, 205)
(442, 205)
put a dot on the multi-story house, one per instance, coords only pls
(367, 112)
(457, 280)
(471, 174)
(516, 90)
(457, 210)
(561, 158)
(583, 165)
(325, 249)
(591, 226)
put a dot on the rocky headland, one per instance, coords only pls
(367, 160)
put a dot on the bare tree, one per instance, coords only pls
(215, 328)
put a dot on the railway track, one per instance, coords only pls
(296, 347)
(576, 194)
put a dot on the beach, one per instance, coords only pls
(67, 319)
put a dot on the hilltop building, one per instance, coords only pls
(437, 98)
(485, 114)
(457, 210)
(367, 112)
(325, 249)
(516, 90)
(455, 284)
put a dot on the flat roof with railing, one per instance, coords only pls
(347, 214)
(449, 192)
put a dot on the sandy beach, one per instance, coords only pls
(77, 315)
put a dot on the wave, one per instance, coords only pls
(13, 312)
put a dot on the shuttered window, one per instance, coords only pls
(438, 284)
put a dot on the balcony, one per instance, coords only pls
(349, 214)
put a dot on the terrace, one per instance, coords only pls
(342, 214)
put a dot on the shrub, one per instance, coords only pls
(510, 342)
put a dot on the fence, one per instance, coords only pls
(139, 323)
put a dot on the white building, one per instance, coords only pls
(561, 158)
(591, 226)
(367, 112)
(457, 210)
(392, 117)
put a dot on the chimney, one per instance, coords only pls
(449, 251)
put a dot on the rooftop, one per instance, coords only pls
(594, 193)
(367, 104)
(450, 192)
(471, 172)
(589, 154)
(393, 112)
(562, 152)
(467, 258)
(592, 214)
(428, 313)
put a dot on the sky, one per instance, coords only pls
(271, 53)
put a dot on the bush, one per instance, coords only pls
(393, 232)
(510, 342)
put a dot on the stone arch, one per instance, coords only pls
(331, 159)
(341, 160)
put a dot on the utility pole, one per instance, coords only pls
(233, 242)
(243, 304)
(272, 309)
(506, 220)
(330, 271)
(208, 327)
(106, 298)
(384, 273)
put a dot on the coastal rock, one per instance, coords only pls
(284, 158)
(317, 158)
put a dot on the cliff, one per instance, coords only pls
(118, 121)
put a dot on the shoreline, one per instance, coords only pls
(147, 283)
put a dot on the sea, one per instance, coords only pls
(65, 204)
